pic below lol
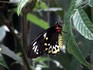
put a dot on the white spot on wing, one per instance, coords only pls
(45, 44)
(50, 47)
(37, 52)
(35, 48)
(46, 38)
(57, 46)
(34, 43)
(44, 35)
(55, 49)
(48, 44)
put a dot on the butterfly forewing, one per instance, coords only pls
(36, 47)
(48, 42)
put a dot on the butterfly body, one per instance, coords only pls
(48, 42)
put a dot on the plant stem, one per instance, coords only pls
(7, 23)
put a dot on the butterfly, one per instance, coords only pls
(47, 42)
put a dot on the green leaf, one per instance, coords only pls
(40, 5)
(90, 2)
(2, 62)
(58, 64)
(84, 44)
(83, 24)
(42, 59)
(21, 4)
(4, 50)
(32, 18)
(43, 5)
(78, 2)
(72, 47)
(91, 57)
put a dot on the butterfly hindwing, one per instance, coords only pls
(46, 43)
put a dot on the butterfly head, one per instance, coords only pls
(58, 28)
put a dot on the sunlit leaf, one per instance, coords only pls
(42, 59)
(21, 4)
(43, 5)
(32, 18)
(90, 2)
(78, 2)
(40, 5)
(83, 24)
(4, 50)
(72, 46)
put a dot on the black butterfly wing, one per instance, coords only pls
(52, 43)
(46, 43)
(36, 48)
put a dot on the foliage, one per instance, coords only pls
(77, 39)
(21, 4)
(83, 24)
(37, 21)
